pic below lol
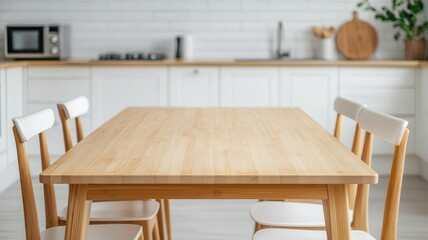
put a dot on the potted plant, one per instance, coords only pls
(403, 14)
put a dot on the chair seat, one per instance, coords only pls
(282, 234)
(290, 214)
(98, 232)
(120, 211)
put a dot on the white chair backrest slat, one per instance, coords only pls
(348, 108)
(75, 107)
(33, 124)
(385, 126)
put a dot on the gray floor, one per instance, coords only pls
(229, 219)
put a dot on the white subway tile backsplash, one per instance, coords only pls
(222, 29)
(224, 26)
(224, 5)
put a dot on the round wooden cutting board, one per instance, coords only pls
(356, 39)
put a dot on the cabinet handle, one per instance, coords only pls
(196, 71)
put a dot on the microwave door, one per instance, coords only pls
(25, 41)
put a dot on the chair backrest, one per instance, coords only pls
(394, 131)
(350, 109)
(24, 129)
(72, 109)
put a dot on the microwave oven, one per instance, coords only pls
(37, 42)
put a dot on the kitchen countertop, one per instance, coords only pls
(290, 63)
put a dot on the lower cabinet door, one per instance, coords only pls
(249, 87)
(311, 89)
(194, 86)
(3, 117)
(116, 88)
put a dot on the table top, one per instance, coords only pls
(209, 146)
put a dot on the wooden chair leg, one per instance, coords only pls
(156, 230)
(147, 230)
(161, 220)
(168, 218)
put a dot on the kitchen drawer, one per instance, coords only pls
(377, 77)
(59, 73)
(115, 89)
(194, 86)
(55, 91)
(391, 101)
(249, 86)
(311, 89)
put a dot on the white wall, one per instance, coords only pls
(426, 17)
(223, 29)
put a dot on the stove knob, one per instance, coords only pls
(54, 39)
(54, 51)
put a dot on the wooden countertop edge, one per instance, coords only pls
(343, 63)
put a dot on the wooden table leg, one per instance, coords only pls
(78, 213)
(168, 218)
(336, 213)
(161, 219)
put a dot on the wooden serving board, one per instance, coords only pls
(357, 39)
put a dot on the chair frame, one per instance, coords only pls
(352, 188)
(65, 123)
(32, 228)
(158, 226)
(391, 210)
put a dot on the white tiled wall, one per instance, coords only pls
(222, 29)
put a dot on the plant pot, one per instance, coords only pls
(415, 49)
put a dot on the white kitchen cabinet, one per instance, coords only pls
(312, 89)
(116, 88)
(422, 121)
(14, 106)
(57, 84)
(47, 86)
(194, 86)
(389, 90)
(3, 119)
(11, 81)
(249, 87)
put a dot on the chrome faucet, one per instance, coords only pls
(279, 53)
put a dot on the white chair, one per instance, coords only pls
(394, 131)
(142, 212)
(24, 129)
(294, 214)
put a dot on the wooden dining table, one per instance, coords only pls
(209, 153)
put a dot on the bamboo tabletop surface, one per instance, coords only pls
(210, 146)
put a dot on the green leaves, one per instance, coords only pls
(421, 29)
(360, 4)
(390, 15)
(416, 7)
(403, 14)
(396, 4)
